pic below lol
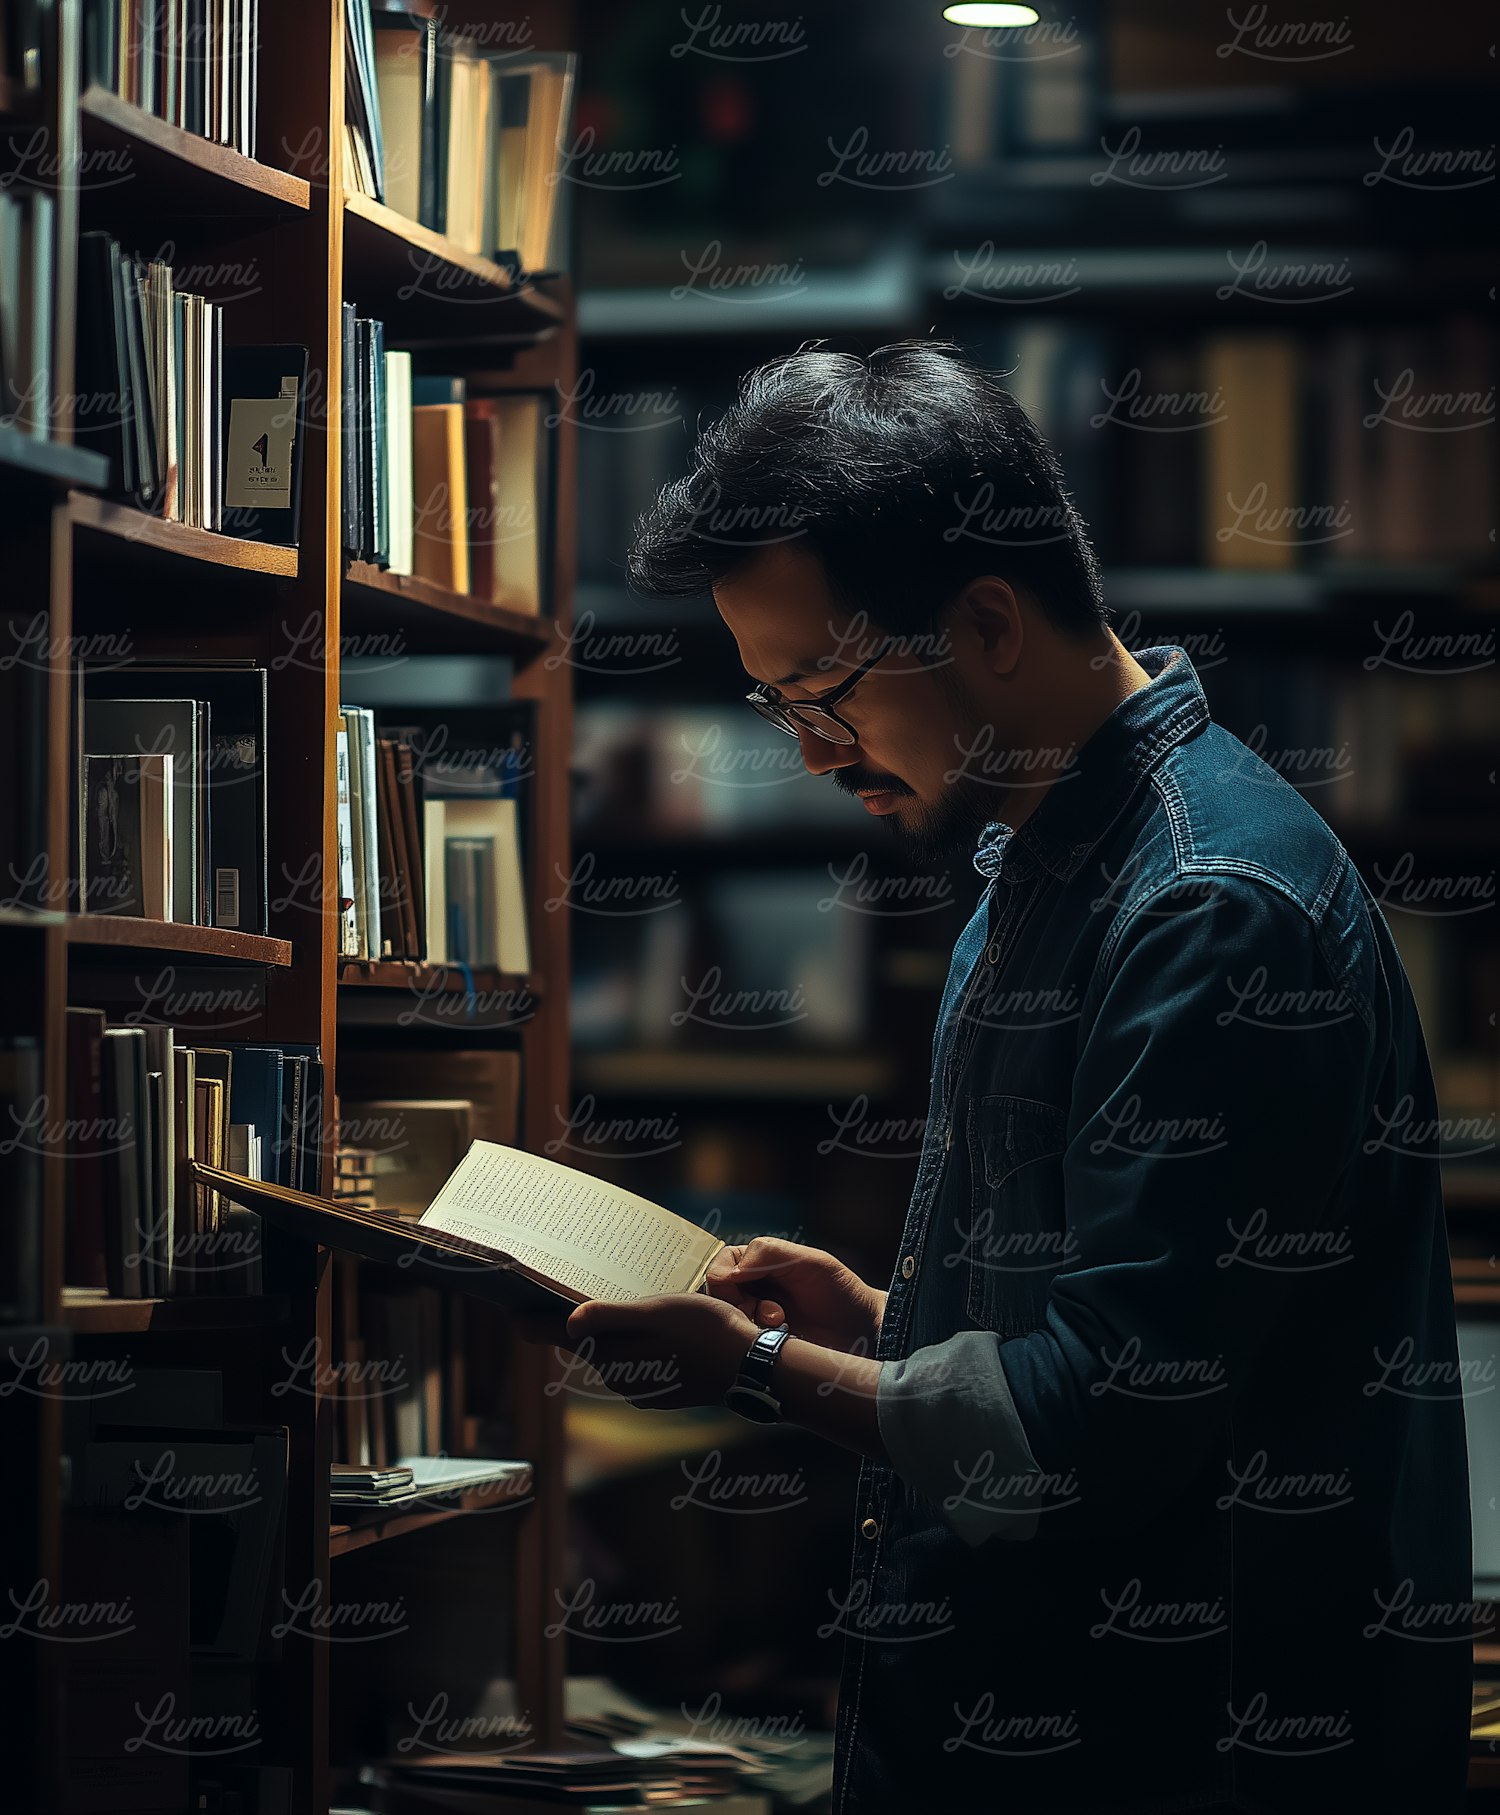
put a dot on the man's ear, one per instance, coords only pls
(987, 607)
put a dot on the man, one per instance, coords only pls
(1164, 1504)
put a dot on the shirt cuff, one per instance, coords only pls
(953, 1434)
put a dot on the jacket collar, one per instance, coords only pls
(1081, 803)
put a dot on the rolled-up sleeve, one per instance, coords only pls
(944, 1403)
(1191, 1115)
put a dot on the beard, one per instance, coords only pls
(950, 827)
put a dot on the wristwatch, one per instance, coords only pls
(751, 1394)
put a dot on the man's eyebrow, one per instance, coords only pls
(797, 674)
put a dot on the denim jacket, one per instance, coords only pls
(1176, 1512)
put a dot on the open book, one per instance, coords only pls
(508, 1226)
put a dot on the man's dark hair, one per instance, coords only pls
(907, 473)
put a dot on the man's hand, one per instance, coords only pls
(681, 1349)
(777, 1282)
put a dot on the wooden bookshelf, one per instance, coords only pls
(95, 569)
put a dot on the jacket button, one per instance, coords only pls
(992, 952)
(908, 1267)
(870, 1529)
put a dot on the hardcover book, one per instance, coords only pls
(264, 409)
(126, 803)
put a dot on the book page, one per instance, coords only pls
(573, 1228)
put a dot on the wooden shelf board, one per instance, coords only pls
(402, 973)
(91, 1316)
(1471, 1189)
(123, 932)
(355, 1528)
(51, 462)
(106, 517)
(608, 1441)
(773, 1076)
(1312, 599)
(199, 175)
(405, 273)
(794, 846)
(433, 617)
(26, 920)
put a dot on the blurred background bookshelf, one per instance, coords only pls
(1208, 256)
(1158, 223)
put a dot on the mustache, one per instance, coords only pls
(857, 781)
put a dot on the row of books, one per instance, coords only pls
(177, 1515)
(27, 230)
(776, 960)
(171, 793)
(454, 489)
(681, 771)
(407, 1338)
(460, 138)
(1400, 736)
(143, 1103)
(1064, 84)
(196, 431)
(1267, 451)
(426, 873)
(395, 1149)
(1264, 451)
(399, 1134)
(1401, 740)
(194, 63)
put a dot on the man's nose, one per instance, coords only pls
(819, 756)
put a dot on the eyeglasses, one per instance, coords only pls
(817, 716)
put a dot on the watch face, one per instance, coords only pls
(750, 1402)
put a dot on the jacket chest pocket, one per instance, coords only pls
(1018, 1239)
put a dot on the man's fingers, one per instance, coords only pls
(603, 1317)
(768, 1314)
(768, 1254)
(730, 1292)
(723, 1264)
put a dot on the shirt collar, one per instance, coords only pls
(1083, 800)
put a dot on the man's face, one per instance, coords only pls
(915, 711)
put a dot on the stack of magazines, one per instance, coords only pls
(538, 1781)
(426, 1478)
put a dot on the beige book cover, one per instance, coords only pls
(440, 499)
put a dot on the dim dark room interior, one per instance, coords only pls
(546, 1259)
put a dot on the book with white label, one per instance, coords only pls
(508, 1226)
